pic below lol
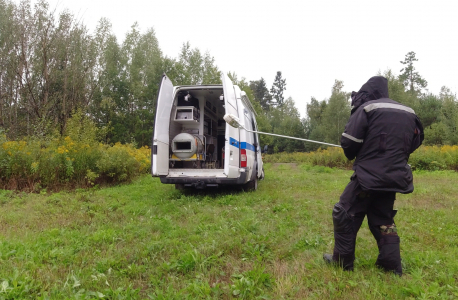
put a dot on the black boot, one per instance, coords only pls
(396, 269)
(344, 238)
(389, 258)
(328, 258)
(346, 264)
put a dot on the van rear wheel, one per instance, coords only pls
(251, 185)
(179, 186)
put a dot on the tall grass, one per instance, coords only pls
(435, 158)
(73, 159)
(35, 164)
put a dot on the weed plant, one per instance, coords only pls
(76, 159)
(146, 240)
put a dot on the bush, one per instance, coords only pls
(435, 158)
(33, 164)
(74, 160)
(117, 163)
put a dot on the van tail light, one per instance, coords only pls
(243, 158)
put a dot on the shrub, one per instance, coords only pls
(76, 159)
(117, 163)
(435, 158)
(34, 164)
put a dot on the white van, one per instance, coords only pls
(192, 144)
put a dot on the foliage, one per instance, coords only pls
(435, 134)
(435, 158)
(397, 91)
(314, 122)
(409, 77)
(74, 160)
(278, 88)
(261, 93)
(336, 114)
(326, 119)
(449, 116)
(146, 240)
(126, 86)
(193, 68)
(285, 120)
(429, 109)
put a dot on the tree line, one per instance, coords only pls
(51, 67)
(439, 113)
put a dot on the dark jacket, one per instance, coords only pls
(381, 134)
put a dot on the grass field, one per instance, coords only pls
(146, 240)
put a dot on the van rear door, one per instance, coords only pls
(258, 150)
(160, 147)
(232, 144)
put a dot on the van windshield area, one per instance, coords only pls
(197, 128)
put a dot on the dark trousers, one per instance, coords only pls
(348, 215)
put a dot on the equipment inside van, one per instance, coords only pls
(192, 144)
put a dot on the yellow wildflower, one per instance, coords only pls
(61, 150)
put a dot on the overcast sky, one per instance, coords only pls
(311, 42)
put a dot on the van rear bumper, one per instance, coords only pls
(201, 182)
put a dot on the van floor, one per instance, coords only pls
(197, 173)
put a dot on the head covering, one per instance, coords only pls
(375, 88)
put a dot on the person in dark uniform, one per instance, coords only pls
(381, 134)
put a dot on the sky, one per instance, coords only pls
(312, 43)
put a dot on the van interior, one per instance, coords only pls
(197, 128)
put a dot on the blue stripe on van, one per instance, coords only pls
(234, 142)
(242, 145)
(248, 146)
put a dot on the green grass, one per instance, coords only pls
(147, 240)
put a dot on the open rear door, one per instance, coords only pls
(258, 151)
(232, 144)
(160, 147)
